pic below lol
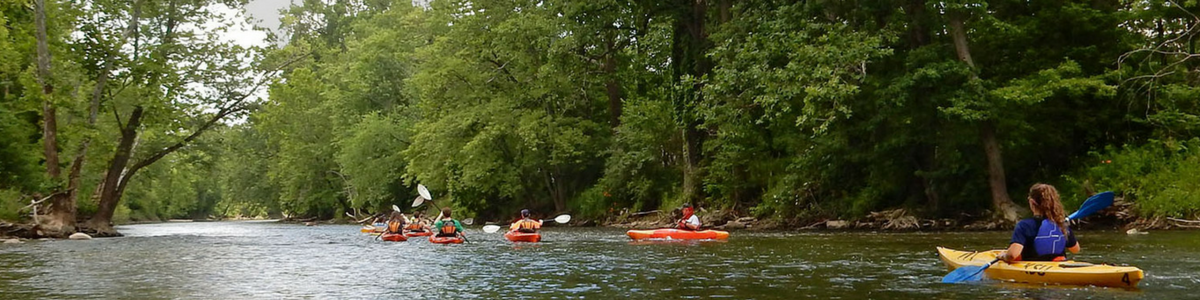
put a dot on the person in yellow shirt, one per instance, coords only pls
(525, 224)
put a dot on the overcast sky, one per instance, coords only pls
(267, 12)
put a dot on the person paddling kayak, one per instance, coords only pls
(416, 224)
(525, 224)
(689, 221)
(396, 224)
(1046, 236)
(447, 226)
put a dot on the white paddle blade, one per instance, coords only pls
(562, 219)
(491, 228)
(424, 192)
(418, 201)
(395, 208)
(468, 221)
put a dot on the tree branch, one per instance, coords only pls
(234, 106)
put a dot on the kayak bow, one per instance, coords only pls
(393, 237)
(517, 236)
(445, 240)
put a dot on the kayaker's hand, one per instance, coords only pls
(1004, 257)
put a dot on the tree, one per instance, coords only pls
(179, 73)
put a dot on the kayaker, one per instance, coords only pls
(396, 223)
(689, 221)
(416, 224)
(1046, 236)
(447, 226)
(525, 224)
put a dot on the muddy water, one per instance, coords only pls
(242, 260)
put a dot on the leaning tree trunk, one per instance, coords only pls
(101, 223)
(991, 147)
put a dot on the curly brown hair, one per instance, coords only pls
(1043, 200)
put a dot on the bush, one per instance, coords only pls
(1159, 177)
(10, 205)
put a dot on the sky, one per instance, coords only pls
(266, 14)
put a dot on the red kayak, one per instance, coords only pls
(445, 240)
(393, 237)
(676, 234)
(517, 236)
(418, 233)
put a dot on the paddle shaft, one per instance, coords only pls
(985, 267)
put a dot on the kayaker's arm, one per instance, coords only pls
(1013, 252)
(1074, 249)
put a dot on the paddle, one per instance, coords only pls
(561, 219)
(974, 273)
(421, 189)
(967, 273)
(1093, 204)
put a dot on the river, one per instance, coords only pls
(256, 260)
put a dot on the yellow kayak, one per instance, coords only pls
(1063, 272)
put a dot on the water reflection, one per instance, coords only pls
(239, 260)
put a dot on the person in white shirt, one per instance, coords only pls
(689, 221)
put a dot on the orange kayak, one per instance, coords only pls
(418, 233)
(517, 236)
(676, 234)
(393, 237)
(445, 240)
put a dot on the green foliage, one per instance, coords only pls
(10, 205)
(810, 109)
(1158, 177)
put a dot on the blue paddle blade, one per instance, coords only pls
(1093, 204)
(966, 274)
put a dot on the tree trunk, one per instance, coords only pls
(690, 44)
(61, 220)
(612, 86)
(101, 223)
(93, 111)
(1000, 201)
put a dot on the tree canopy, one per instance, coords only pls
(784, 109)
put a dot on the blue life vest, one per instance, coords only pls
(1050, 240)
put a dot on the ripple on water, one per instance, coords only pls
(241, 260)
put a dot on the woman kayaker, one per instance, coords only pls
(525, 224)
(689, 221)
(1046, 236)
(395, 225)
(447, 226)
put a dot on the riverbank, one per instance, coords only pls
(1121, 216)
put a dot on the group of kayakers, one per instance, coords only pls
(417, 225)
(1045, 237)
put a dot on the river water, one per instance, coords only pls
(256, 260)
